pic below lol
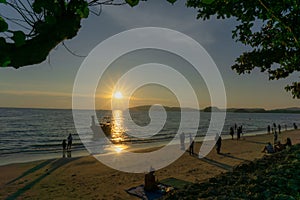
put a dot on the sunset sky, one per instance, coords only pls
(50, 84)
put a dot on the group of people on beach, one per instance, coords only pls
(237, 129)
(278, 146)
(67, 145)
(182, 143)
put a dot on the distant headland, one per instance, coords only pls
(216, 109)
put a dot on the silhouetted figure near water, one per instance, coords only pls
(64, 146)
(295, 126)
(182, 138)
(219, 144)
(279, 128)
(239, 131)
(274, 126)
(231, 132)
(192, 148)
(269, 129)
(191, 145)
(70, 140)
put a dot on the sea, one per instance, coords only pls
(28, 134)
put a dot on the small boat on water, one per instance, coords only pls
(108, 127)
(104, 125)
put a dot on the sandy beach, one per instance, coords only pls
(86, 178)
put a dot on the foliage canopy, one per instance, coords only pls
(269, 27)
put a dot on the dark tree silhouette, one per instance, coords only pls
(269, 27)
(43, 25)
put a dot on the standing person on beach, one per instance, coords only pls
(295, 126)
(275, 128)
(231, 132)
(191, 145)
(279, 128)
(269, 129)
(182, 138)
(239, 131)
(70, 140)
(218, 143)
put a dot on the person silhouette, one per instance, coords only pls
(191, 145)
(64, 145)
(218, 143)
(269, 129)
(182, 139)
(70, 140)
(231, 132)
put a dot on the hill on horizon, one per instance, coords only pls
(216, 109)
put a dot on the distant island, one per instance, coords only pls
(216, 109)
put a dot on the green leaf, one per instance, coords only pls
(83, 13)
(2, 42)
(172, 1)
(5, 61)
(3, 25)
(132, 3)
(50, 19)
(208, 1)
(19, 38)
(37, 6)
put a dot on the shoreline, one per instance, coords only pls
(141, 147)
(85, 177)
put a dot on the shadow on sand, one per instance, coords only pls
(233, 157)
(53, 164)
(214, 162)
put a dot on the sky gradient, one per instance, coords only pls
(50, 84)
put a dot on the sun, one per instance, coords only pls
(118, 95)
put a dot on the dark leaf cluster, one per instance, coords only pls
(269, 27)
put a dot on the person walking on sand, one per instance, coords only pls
(191, 145)
(218, 143)
(70, 140)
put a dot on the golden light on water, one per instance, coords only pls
(119, 149)
(117, 129)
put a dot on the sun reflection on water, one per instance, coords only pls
(117, 129)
